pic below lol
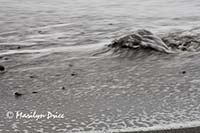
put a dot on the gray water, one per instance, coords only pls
(110, 93)
(56, 23)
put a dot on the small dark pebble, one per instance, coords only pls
(184, 49)
(6, 58)
(32, 76)
(39, 31)
(2, 68)
(17, 94)
(34, 92)
(70, 65)
(63, 88)
(183, 72)
(74, 74)
(18, 47)
(110, 24)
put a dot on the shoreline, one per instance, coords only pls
(185, 127)
(108, 91)
(180, 130)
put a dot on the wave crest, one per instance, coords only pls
(169, 43)
(141, 39)
(188, 40)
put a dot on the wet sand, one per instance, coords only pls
(180, 130)
(184, 130)
(101, 93)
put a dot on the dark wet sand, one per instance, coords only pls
(183, 130)
(101, 93)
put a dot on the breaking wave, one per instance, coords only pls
(143, 41)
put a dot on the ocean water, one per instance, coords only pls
(54, 23)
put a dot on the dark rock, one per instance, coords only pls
(74, 74)
(32, 76)
(183, 48)
(6, 58)
(40, 31)
(34, 92)
(110, 24)
(63, 88)
(2, 68)
(183, 72)
(19, 47)
(70, 65)
(17, 94)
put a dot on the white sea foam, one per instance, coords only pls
(57, 49)
(171, 126)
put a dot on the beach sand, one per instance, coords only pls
(104, 92)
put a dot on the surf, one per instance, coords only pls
(144, 42)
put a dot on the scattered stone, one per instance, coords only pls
(183, 48)
(70, 65)
(34, 92)
(17, 94)
(32, 76)
(63, 88)
(74, 74)
(40, 31)
(110, 24)
(18, 47)
(2, 68)
(6, 58)
(183, 72)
